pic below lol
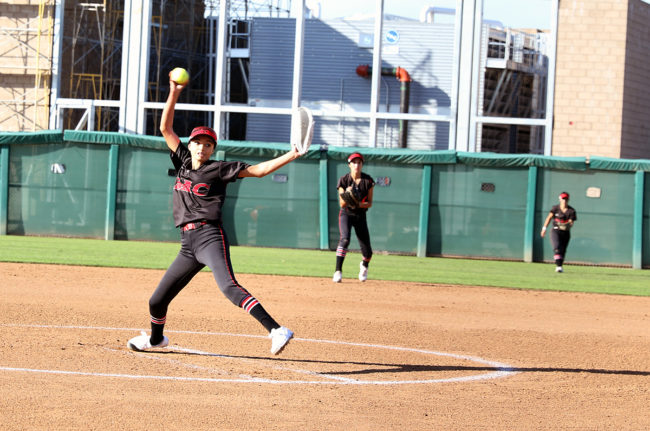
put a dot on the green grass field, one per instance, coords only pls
(315, 263)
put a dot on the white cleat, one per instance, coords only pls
(338, 276)
(279, 339)
(363, 272)
(559, 269)
(142, 343)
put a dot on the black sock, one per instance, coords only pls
(339, 263)
(263, 317)
(156, 333)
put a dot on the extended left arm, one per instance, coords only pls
(263, 169)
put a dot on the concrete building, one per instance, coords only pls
(602, 97)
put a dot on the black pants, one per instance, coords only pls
(560, 240)
(359, 223)
(206, 246)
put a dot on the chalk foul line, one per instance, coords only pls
(500, 370)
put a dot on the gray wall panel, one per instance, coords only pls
(330, 81)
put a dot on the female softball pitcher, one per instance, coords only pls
(563, 217)
(198, 197)
(355, 197)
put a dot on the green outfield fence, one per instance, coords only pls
(426, 203)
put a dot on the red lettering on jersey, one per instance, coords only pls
(183, 186)
(201, 189)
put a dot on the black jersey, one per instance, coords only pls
(363, 188)
(561, 219)
(199, 194)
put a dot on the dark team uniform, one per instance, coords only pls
(199, 194)
(561, 232)
(198, 198)
(354, 217)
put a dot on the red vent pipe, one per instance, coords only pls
(365, 71)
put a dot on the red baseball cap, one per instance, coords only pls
(203, 130)
(355, 156)
(564, 195)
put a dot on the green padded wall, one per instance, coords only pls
(604, 230)
(68, 203)
(477, 211)
(646, 222)
(119, 186)
(144, 196)
(279, 210)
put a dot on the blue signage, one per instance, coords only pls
(392, 36)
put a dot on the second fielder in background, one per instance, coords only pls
(563, 217)
(355, 197)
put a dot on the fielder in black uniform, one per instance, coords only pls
(354, 215)
(563, 217)
(199, 194)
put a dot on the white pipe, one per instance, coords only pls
(314, 8)
(550, 85)
(298, 55)
(59, 7)
(428, 13)
(219, 123)
(376, 73)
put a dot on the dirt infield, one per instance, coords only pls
(367, 356)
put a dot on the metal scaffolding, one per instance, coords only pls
(26, 41)
(182, 34)
(91, 58)
(513, 78)
(247, 9)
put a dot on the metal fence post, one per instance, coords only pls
(323, 201)
(637, 220)
(529, 223)
(425, 204)
(111, 192)
(4, 188)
